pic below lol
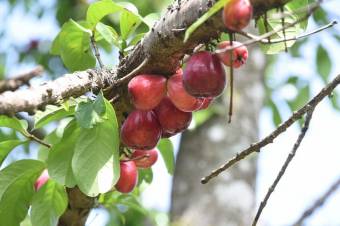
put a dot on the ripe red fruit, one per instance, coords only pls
(128, 177)
(206, 102)
(204, 75)
(240, 54)
(147, 91)
(179, 96)
(172, 119)
(141, 130)
(145, 159)
(237, 14)
(43, 178)
(167, 135)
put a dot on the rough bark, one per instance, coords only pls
(78, 208)
(163, 47)
(230, 198)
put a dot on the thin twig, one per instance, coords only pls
(36, 139)
(285, 166)
(136, 158)
(132, 73)
(273, 32)
(318, 203)
(231, 97)
(96, 51)
(19, 80)
(327, 90)
(295, 38)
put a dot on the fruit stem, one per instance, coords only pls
(136, 158)
(231, 79)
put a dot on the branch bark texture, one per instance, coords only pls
(163, 47)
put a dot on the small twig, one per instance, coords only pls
(36, 139)
(96, 51)
(284, 30)
(114, 99)
(318, 203)
(132, 73)
(327, 90)
(273, 32)
(295, 38)
(329, 25)
(19, 80)
(136, 158)
(285, 166)
(230, 113)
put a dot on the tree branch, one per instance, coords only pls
(318, 203)
(285, 165)
(19, 80)
(163, 47)
(295, 38)
(282, 128)
(69, 85)
(267, 35)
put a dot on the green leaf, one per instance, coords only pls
(99, 9)
(73, 45)
(128, 24)
(52, 113)
(274, 23)
(145, 175)
(277, 119)
(301, 99)
(108, 33)
(7, 146)
(13, 123)
(60, 156)
(167, 151)
(131, 202)
(214, 9)
(96, 158)
(202, 116)
(151, 19)
(136, 39)
(324, 64)
(16, 190)
(48, 204)
(90, 113)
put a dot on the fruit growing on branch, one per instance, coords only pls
(128, 177)
(179, 96)
(239, 55)
(141, 130)
(172, 119)
(237, 14)
(42, 179)
(145, 158)
(147, 91)
(204, 75)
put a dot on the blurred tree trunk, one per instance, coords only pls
(228, 199)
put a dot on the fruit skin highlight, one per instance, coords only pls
(206, 101)
(204, 75)
(42, 179)
(172, 119)
(147, 91)
(179, 96)
(141, 130)
(237, 14)
(145, 158)
(128, 177)
(240, 54)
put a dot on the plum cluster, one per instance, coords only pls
(163, 107)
